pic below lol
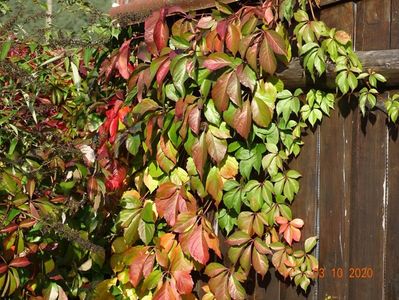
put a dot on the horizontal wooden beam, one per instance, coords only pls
(137, 10)
(385, 62)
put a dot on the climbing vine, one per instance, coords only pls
(182, 136)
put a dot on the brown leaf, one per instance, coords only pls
(276, 42)
(200, 154)
(149, 26)
(260, 262)
(219, 92)
(252, 56)
(267, 59)
(233, 38)
(137, 265)
(234, 89)
(194, 119)
(217, 148)
(170, 200)
(243, 120)
(19, 262)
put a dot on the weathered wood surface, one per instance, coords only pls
(385, 62)
(138, 10)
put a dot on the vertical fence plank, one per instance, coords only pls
(305, 204)
(391, 259)
(373, 25)
(395, 24)
(332, 16)
(335, 176)
(367, 191)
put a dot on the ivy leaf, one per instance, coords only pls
(138, 259)
(218, 282)
(310, 243)
(214, 185)
(267, 59)
(238, 238)
(236, 290)
(194, 244)
(276, 42)
(259, 262)
(146, 105)
(178, 70)
(218, 60)
(243, 120)
(233, 38)
(219, 92)
(200, 154)
(146, 231)
(234, 89)
(161, 34)
(170, 200)
(217, 148)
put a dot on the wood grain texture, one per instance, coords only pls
(385, 62)
(391, 259)
(332, 16)
(335, 174)
(394, 24)
(373, 25)
(366, 208)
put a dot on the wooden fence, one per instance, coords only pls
(349, 193)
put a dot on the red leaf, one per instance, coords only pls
(113, 130)
(243, 120)
(221, 29)
(163, 71)
(267, 59)
(170, 200)
(149, 132)
(161, 34)
(123, 60)
(148, 265)
(149, 26)
(19, 262)
(115, 181)
(213, 242)
(136, 267)
(9, 228)
(276, 42)
(27, 223)
(185, 221)
(3, 268)
(184, 282)
(193, 243)
(194, 119)
(218, 60)
(166, 293)
(219, 92)
(200, 154)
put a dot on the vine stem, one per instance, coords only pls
(311, 10)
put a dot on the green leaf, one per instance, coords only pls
(133, 143)
(152, 280)
(179, 74)
(310, 243)
(146, 231)
(5, 47)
